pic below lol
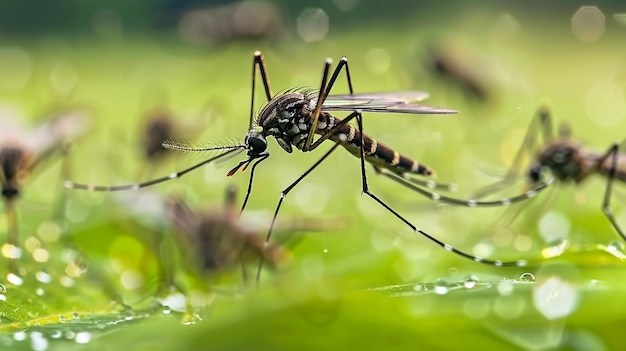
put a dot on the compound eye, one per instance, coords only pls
(535, 173)
(257, 144)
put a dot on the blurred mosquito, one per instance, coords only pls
(567, 160)
(22, 151)
(217, 240)
(294, 116)
(158, 129)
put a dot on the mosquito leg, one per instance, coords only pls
(466, 202)
(250, 180)
(342, 62)
(318, 106)
(445, 246)
(12, 231)
(542, 123)
(283, 195)
(90, 187)
(259, 62)
(612, 156)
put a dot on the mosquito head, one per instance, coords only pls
(562, 159)
(255, 142)
(534, 173)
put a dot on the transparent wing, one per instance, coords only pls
(390, 102)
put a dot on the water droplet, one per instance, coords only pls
(14, 279)
(69, 335)
(192, 317)
(555, 298)
(40, 292)
(470, 281)
(43, 277)
(62, 318)
(19, 336)
(418, 287)
(38, 342)
(56, 334)
(527, 277)
(75, 315)
(441, 287)
(616, 246)
(83, 337)
(166, 310)
(2, 289)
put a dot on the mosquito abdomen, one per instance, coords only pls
(377, 153)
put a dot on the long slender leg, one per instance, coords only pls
(258, 61)
(250, 180)
(283, 195)
(466, 202)
(542, 123)
(365, 189)
(90, 187)
(612, 156)
(11, 213)
(320, 100)
(318, 106)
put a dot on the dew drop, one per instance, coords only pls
(82, 337)
(470, 281)
(56, 334)
(166, 310)
(69, 335)
(441, 287)
(614, 246)
(75, 315)
(38, 342)
(527, 277)
(14, 279)
(43, 277)
(62, 318)
(2, 289)
(19, 336)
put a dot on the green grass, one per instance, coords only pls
(341, 288)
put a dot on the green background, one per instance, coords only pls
(361, 278)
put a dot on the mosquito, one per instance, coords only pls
(293, 117)
(217, 240)
(21, 153)
(567, 160)
(158, 128)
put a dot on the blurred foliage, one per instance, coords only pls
(366, 281)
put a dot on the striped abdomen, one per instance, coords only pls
(376, 153)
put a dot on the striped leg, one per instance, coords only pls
(612, 156)
(445, 246)
(260, 63)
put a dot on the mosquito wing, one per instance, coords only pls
(390, 102)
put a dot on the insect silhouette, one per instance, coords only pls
(566, 160)
(217, 240)
(21, 153)
(294, 116)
